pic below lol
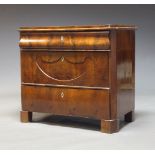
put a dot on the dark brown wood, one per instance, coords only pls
(86, 71)
(25, 116)
(129, 117)
(109, 126)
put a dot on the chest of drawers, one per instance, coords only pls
(84, 71)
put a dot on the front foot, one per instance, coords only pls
(109, 126)
(25, 116)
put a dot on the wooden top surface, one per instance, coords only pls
(78, 28)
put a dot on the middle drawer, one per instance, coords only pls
(66, 68)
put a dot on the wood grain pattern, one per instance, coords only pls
(65, 40)
(75, 69)
(125, 71)
(64, 101)
(113, 76)
(122, 73)
(86, 71)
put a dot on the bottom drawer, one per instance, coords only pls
(66, 101)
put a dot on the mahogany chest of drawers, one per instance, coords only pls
(84, 71)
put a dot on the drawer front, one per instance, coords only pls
(64, 101)
(66, 40)
(66, 68)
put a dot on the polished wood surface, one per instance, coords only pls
(86, 71)
(66, 68)
(66, 101)
(109, 126)
(125, 71)
(122, 72)
(65, 40)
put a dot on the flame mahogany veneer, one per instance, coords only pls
(84, 71)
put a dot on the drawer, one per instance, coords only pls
(66, 68)
(64, 101)
(66, 40)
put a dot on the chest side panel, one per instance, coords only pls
(125, 71)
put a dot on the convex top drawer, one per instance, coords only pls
(66, 40)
